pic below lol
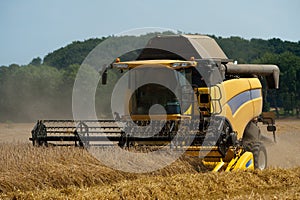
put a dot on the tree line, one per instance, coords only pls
(43, 88)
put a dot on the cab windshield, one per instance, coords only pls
(168, 94)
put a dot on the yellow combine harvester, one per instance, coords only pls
(214, 113)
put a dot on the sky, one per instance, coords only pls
(34, 28)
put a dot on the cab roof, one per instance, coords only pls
(184, 46)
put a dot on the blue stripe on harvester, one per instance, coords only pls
(238, 100)
(248, 163)
(255, 93)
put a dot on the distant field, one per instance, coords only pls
(71, 173)
(15, 132)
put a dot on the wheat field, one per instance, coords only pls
(28, 172)
(71, 173)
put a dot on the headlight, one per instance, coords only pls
(184, 64)
(176, 65)
(120, 66)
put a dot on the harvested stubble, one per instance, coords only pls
(71, 173)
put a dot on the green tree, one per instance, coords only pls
(289, 64)
(73, 53)
(36, 61)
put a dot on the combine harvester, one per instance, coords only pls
(218, 122)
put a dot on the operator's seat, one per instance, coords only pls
(197, 79)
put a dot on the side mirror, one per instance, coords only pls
(104, 77)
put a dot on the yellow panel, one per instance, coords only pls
(247, 111)
(155, 63)
(255, 83)
(234, 87)
(242, 117)
(257, 104)
(246, 161)
(217, 98)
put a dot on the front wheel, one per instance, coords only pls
(259, 152)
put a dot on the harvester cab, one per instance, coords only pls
(184, 92)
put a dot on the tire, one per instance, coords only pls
(259, 152)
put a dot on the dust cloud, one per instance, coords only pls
(285, 153)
